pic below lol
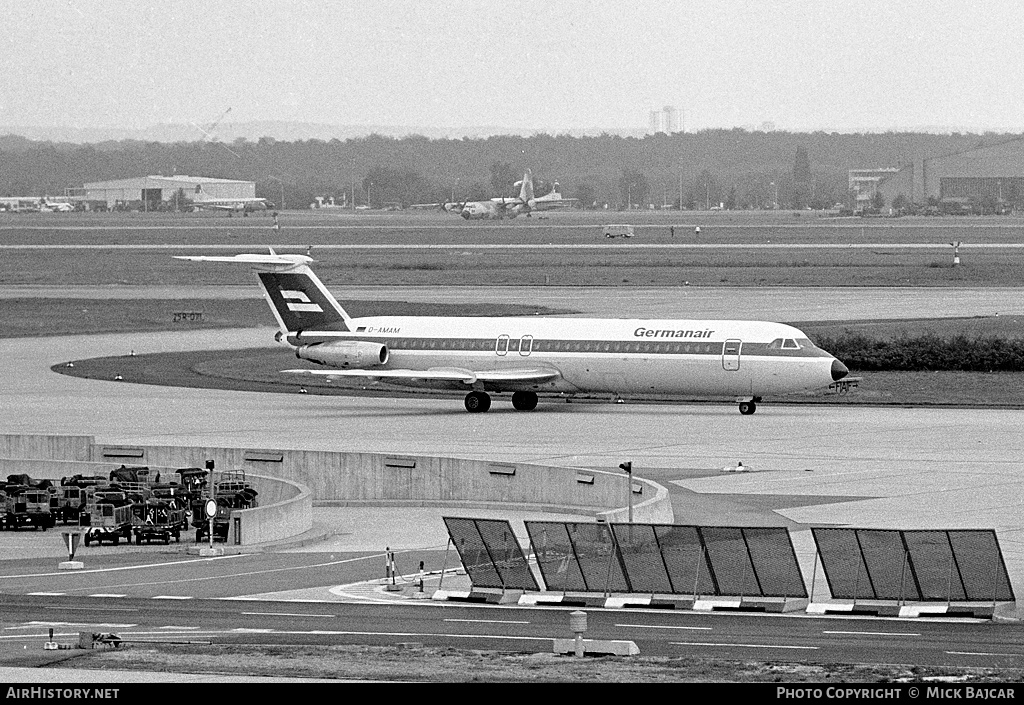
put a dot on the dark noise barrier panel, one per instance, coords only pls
(913, 565)
(490, 553)
(666, 559)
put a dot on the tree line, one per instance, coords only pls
(735, 169)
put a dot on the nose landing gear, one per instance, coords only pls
(749, 406)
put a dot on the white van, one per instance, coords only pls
(618, 231)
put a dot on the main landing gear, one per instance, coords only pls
(479, 402)
(749, 406)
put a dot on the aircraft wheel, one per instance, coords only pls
(747, 407)
(478, 402)
(524, 401)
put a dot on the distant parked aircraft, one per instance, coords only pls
(502, 207)
(231, 205)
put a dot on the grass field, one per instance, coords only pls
(736, 249)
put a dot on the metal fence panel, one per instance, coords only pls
(981, 564)
(886, 560)
(774, 560)
(686, 560)
(913, 565)
(555, 557)
(594, 546)
(733, 573)
(473, 552)
(576, 556)
(506, 554)
(841, 560)
(932, 567)
(642, 558)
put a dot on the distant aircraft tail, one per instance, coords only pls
(526, 187)
(298, 298)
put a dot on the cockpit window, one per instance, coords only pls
(790, 344)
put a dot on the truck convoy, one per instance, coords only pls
(130, 502)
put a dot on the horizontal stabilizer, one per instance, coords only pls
(253, 259)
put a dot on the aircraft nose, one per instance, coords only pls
(839, 370)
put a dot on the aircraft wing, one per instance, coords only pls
(444, 374)
(216, 206)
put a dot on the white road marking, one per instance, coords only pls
(662, 626)
(171, 597)
(748, 646)
(106, 594)
(875, 633)
(490, 621)
(288, 614)
(48, 594)
(980, 653)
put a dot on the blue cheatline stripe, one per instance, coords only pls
(594, 347)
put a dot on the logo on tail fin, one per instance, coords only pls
(304, 303)
(301, 303)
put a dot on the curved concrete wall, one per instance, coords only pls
(372, 478)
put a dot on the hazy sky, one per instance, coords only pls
(544, 64)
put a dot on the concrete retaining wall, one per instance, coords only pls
(371, 478)
(286, 510)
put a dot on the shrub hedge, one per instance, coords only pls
(926, 353)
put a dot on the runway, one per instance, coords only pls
(784, 304)
(884, 467)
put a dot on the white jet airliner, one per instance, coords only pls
(526, 355)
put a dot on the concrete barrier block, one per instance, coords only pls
(672, 602)
(616, 602)
(597, 647)
(774, 604)
(539, 598)
(70, 565)
(705, 604)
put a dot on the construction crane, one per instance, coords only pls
(208, 132)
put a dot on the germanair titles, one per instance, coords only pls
(661, 333)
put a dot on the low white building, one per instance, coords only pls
(152, 191)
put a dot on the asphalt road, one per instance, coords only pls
(656, 633)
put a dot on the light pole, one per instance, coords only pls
(680, 188)
(775, 203)
(628, 468)
(281, 184)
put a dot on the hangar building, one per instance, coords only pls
(992, 173)
(152, 191)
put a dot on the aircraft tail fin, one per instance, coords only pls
(298, 298)
(526, 187)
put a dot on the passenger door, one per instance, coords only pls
(731, 354)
